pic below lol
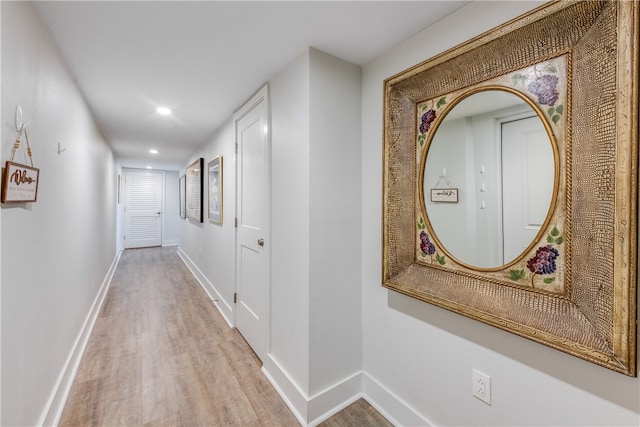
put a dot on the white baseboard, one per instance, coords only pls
(290, 392)
(223, 307)
(334, 399)
(55, 404)
(311, 411)
(392, 407)
(172, 242)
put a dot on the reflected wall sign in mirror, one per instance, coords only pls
(499, 150)
(528, 136)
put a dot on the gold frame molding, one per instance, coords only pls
(594, 318)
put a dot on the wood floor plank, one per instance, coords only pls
(359, 413)
(162, 355)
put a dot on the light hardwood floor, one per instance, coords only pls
(161, 354)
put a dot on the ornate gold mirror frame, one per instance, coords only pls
(587, 307)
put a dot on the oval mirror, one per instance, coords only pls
(489, 178)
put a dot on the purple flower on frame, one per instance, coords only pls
(544, 88)
(426, 246)
(544, 261)
(427, 120)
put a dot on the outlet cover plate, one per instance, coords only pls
(481, 386)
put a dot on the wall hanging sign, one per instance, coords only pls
(20, 182)
(443, 191)
(444, 195)
(569, 70)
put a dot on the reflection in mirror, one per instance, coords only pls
(494, 148)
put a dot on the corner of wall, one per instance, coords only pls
(391, 406)
(312, 410)
(309, 129)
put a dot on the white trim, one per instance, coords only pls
(387, 403)
(288, 390)
(334, 399)
(58, 398)
(223, 307)
(172, 242)
(324, 417)
(321, 405)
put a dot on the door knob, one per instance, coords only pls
(260, 242)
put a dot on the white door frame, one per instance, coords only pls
(123, 189)
(261, 96)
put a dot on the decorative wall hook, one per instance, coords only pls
(20, 125)
(61, 150)
(21, 128)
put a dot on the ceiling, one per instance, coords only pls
(204, 59)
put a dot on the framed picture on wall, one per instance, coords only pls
(193, 190)
(215, 190)
(119, 189)
(182, 187)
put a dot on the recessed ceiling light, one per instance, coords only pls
(153, 151)
(163, 110)
(149, 167)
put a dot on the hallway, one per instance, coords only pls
(161, 354)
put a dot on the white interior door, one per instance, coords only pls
(252, 233)
(527, 182)
(143, 208)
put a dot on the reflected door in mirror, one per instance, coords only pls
(527, 182)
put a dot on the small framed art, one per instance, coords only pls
(215, 190)
(182, 192)
(194, 189)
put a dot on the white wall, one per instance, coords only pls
(56, 252)
(334, 241)
(171, 210)
(417, 357)
(290, 219)
(315, 355)
(453, 150)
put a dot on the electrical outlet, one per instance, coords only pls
(481, 386)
